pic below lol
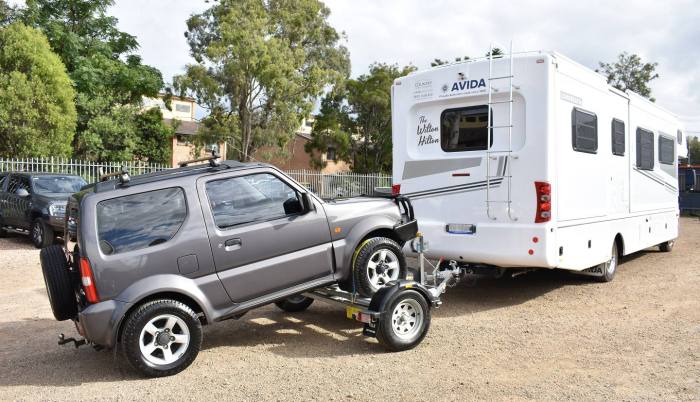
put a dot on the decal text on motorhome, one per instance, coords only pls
(423, 131)
(468, 84)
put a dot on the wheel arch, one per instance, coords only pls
(620, 242)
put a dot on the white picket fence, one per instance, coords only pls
(336, 185)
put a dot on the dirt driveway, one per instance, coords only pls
(546, 335)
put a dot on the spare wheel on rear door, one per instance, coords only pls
(57, 278)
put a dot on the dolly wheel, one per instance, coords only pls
(405, 322)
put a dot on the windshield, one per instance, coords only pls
(58, 184)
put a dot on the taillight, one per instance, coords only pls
(396, 189)
(88, 281)
(544, 202)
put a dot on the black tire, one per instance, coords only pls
(3, 232)
(610, 270)
(57, 279)
(137, 321)
(294, 304)
(42, 234)
(667, 246)
(370, 251)
(389, 335)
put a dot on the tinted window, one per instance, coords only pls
(247, 199)
(3, 179)
(584, 131)
(18, 182)
(58, 184)
(140, 220)
(618, 137)
(465, 129)
(645, 149)
(666, 150)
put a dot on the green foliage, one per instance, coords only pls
(260, 64)
(37, 113)
(155, 138)
(357, 120)
(629, 73)
(693, 150)
(440, 62)
(105, 71)
(6, 13)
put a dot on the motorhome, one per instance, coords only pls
(533, 160)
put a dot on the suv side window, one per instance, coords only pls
(246, 199)
(138, 221)
(18, 182)
(3, 179)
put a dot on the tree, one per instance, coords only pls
(6, 13)
(101, 61)
(440, 62)
(629, 73)
(37, 113)
(358, 122)
(693, 150)
(260, 65)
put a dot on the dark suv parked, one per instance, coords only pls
(154, 257)
(35, 204)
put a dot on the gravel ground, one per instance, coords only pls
(545, 335)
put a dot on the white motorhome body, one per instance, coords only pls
(572, 166)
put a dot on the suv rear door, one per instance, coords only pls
(257, 248)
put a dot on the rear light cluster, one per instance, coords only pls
(396, 189)
(544, 202)
(88, 281)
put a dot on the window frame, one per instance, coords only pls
(489, 143)
(673, 144)
(182, 224)
(637, 163)
(624, 136)
(255, 222)
(573, 131)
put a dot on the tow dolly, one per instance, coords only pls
(398, 315)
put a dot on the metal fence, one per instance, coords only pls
(340, 185)
(336, 185)
(89, 170)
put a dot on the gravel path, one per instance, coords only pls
(546, 335)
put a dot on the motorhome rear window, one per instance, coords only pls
(584, 131)
(666, 150)
(645, 149)
(465, 129)
(618, 137)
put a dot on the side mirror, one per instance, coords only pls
(307, 202)
(292, 206)
(20, 192)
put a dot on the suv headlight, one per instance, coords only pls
(57, 209)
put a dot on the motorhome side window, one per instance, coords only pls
(645, 149)
(465, 129)
(584, 131)
(666, 150)
(618, 137)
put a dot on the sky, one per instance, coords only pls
(417, 31)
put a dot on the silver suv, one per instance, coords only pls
(148, 260)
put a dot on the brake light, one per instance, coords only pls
(396, 189)
(88, 281)
(544, 201)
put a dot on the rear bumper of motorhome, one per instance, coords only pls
(499, 244)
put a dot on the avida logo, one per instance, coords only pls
(468, 84)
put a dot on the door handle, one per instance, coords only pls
(233, 244)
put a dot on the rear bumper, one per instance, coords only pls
(99, 322)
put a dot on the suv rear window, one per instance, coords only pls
(141, 220)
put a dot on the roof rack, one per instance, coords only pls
(122, 176)
(214, 160)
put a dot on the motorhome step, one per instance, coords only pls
(499, 102)
(500, 78)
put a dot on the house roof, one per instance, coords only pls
(184, 127)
